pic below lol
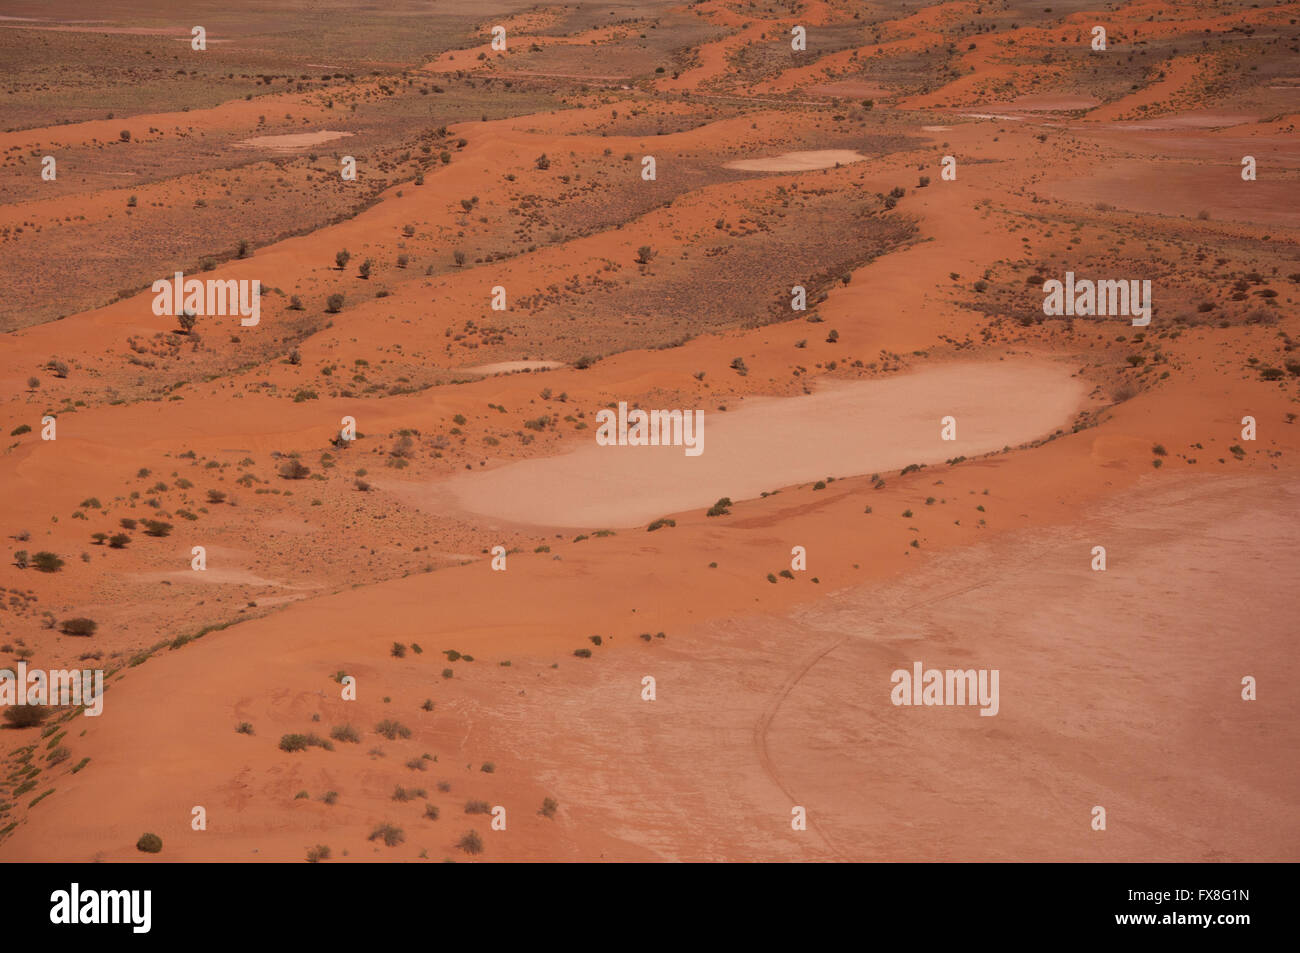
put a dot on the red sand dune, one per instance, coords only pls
(857, 542)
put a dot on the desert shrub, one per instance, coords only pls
(390, 834)
(294, 470)
(300, 742)
(645, 254)
(244, 728)
(149, 843)
(157, 528)
(398, 650)
(21, 558)
(477, 807)
(341, 258)
(549, 807)
(118, 540)
(334, 303)
(488, 767)
(471, 843)
(318, 853)
(78, 626)
(660, 524)
(345, 733)
(431, 812)
(582, 653)
(47, 562)
(392, 730)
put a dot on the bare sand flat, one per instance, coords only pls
(841, 430)
(1116, 689)
(291, 142)
(798, 161)
(511, 367)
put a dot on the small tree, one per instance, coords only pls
(243, 248)
(118, 541)
(157, 528)
(364, 270)
(645, 254)
(25, 716)
(342, 258)
(187, 319)
(459, 256)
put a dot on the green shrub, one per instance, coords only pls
(47, 562)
